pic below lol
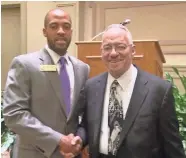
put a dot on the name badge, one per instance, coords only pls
(48, 68)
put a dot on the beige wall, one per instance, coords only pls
(10, 43)
(164, 21)
(35, 21)
(32, 19)
(72, 9)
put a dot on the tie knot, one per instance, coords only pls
(115, 83)
(62, 61)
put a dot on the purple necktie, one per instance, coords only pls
(65, 84)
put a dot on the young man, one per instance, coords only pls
(41, 93)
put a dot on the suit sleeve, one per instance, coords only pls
(81, 131)
(17, 113)
(88, 67)
(82, 128)
(169, 127)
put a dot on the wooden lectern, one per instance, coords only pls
(148, 57)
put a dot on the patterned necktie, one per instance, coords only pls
(65, 84)
(115, 117)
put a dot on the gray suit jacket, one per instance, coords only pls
(150, 128)
(34, 107)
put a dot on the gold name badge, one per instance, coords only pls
(48, 68)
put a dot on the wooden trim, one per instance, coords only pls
(93, 57)
(151, 40)
(174, 52)
(160, 52)
(99, 56)
(10, 4)
(172, 42)
(113, 5)
(138, 56)
(23, 24)
(4, 6)
(66, 5)
(183, 66)
(161, 42)
(168, 68)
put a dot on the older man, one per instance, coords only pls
(41, 93)
(141, 104)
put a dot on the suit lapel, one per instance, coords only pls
(99, 101)
(53, 77)
(139, 94)
(77, 78)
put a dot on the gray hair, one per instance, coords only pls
(129, 35)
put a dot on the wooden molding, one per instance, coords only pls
(66, 5)
(112, 5)
(174, 52)
(10, 4)
(168, 68)
(172, 42)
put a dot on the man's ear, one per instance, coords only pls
(71, 31)
(133, 50)
(44, 32)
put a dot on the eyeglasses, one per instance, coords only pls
(119, 48)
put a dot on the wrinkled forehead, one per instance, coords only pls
(115, 34)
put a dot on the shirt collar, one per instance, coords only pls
(55, 57)
(125, 79)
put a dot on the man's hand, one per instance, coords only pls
(77, 143)
(70, 145)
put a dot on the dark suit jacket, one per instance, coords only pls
(151, 128)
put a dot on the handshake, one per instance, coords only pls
(70, 145)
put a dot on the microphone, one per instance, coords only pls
(97, 35)
(127, 21)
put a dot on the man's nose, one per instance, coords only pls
(60, 30)
(113, 52)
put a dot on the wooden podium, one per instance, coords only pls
(148, 57)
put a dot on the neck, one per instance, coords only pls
(60, 52)
(118, 74)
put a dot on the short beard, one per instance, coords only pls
(59, 51)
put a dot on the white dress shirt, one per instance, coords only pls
(126, 81)
(70, 71)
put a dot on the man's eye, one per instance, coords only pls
(67, 27)
(53, 26)
(121, 47)
(107, 48)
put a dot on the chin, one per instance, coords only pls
(115, 67)
(115, 73)
(60, 46)
(60, 52)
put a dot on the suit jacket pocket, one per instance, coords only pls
(145, 122)
(145, 118)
